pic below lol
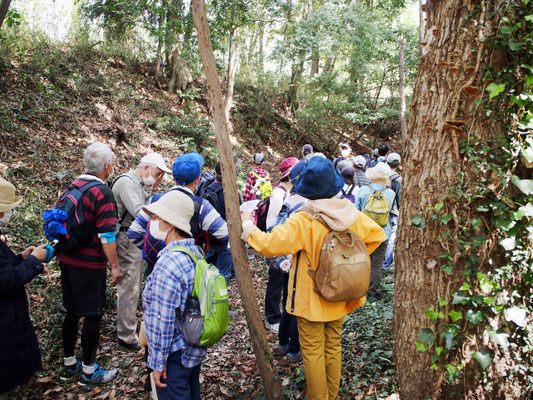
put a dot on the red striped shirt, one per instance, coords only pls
(99, 211)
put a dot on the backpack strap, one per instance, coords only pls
(125, 209)
(182, 249)
(351, 190)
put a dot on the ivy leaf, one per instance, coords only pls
(517, 315)
(439, 350)
(455, 315)
(495, 89)
(460, 298)
(486, 286)
(509, 243)
(500, 337)
(448, 339)
(483, 357)
(474, 317)
(420, 346)
(432, 314)
(434, 367)
(427, 336)
(524, 211)
(529, 78)
(525, 185)
(530, 16)
(417, 221)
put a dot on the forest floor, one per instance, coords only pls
(55, 101)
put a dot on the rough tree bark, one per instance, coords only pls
(403, 122)
(451, 77)
(4, 6)
(238, 251)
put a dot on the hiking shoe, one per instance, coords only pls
(273, 327)
(294, 357)
(281, 351)
(99, 377)
(122, 345)
(69, 374)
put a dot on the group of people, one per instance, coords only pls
(129, 224)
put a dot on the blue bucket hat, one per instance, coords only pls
(187, 168)
(319, 180)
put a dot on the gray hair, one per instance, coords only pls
(96, 156)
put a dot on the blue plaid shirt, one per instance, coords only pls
(167, 288)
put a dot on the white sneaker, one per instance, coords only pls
(273, 327)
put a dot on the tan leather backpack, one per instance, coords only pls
(343, 271)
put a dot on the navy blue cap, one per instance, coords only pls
(319, 180)
(187, 168)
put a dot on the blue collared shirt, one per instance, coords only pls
(167, 288)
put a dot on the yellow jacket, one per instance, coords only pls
(303, 232)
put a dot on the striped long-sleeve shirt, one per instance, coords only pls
(167, 288)
(205, 219)
(99, 213)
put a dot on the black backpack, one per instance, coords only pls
(79, 232)
(206, 179)
(212, 197)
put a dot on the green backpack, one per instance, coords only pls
(263, 186)
(377, 207)
(206, 316)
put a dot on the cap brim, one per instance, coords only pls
(9, 206)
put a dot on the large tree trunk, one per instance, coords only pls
(443, 114)
(4, 6)
(403, 122)
(238, 251)
(422, 22)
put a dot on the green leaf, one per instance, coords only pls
(439, 350)
(475, 222)
(442, 302)
(500, 337)
(517, 315)
(473, 317)
(529, 80)
(418, 221)
(434, 367)
(432, 314)
(483, 357)
(448, 339)
(427, 336)
(465, 287)
(460, 298)
(495, 89)
(524, 211)
(508, 244)
(530, 16)
(455, 315)
(420, 346)
(488, 300)
(527, 153)
(486, 286)
(525, 185)
(506, 30)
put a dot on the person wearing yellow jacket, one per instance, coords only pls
(319, 321)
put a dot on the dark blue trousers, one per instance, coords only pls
(183, 383)
(288, 327)
(275, 286)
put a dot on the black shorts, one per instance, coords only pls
(84, 290)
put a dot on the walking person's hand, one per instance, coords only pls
(157, 378)
(27, 252)
(116, 274)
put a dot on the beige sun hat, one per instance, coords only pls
(379, 174)
(8, 200)
(174, 207)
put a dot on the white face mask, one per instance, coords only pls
(149, 180)
(156, 232)
(5, 219)
(345, 153)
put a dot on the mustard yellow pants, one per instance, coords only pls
(321, 350)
